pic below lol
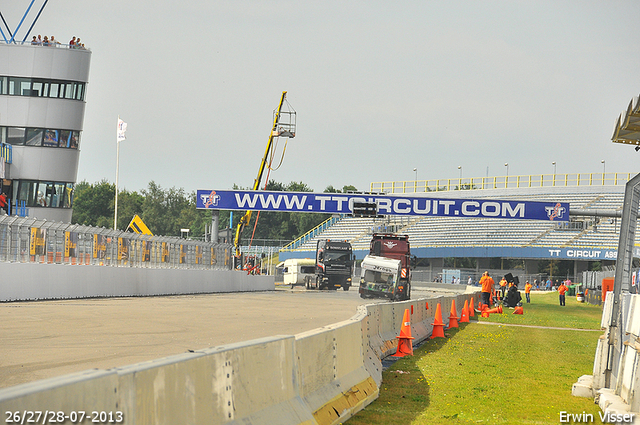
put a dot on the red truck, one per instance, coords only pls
(391, 245)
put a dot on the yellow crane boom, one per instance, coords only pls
(276, 131)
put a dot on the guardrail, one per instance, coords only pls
(6, 152)
(29, 240)
(310, 234)
(503, 182)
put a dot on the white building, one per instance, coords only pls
(42, 102)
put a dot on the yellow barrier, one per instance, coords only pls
(502, 182)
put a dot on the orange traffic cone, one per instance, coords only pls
(464, 315)
(405, 347)
(471, 308)
(518, 310)
(438, 326)
(496, 310)
(453, 317)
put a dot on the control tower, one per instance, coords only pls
(42, 102)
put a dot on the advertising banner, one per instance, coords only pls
(70, 244)
(37, 242)
(338, 203)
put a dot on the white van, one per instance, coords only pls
(299, 271)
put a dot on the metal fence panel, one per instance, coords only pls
(25, 240)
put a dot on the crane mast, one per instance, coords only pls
(279, 129)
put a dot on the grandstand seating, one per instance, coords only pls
(601, 232)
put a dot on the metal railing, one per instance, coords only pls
(503, 182)
(6, 152)
(310, 234)
(29, 240)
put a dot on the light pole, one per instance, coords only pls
(604, 170)
(506, 181)
(554, 167)
(460, 168)
(415, 187)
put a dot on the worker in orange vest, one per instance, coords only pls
(562, 289)
(487, 287)
(527, 291)
(503, 286)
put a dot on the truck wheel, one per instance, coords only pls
(318, 286)
(306, 281)
(346, 287)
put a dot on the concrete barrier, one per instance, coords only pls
(320, 377)
(32, 281)
(620, 393)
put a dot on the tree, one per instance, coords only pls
(129, 204)
(345, 189)
(93, 204)
(165, 212)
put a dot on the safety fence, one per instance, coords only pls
(502, 182)
(29, 240)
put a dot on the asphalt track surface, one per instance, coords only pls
(45, 339)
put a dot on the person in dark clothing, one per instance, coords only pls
(513, 296)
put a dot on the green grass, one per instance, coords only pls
(494, 374)
(545, 310)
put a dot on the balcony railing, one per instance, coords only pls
(503, 182)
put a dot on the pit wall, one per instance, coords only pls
(319, 377)
(28, 281)
(621, 395)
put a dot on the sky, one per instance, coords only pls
(379, 88)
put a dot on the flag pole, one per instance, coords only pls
(115, 216)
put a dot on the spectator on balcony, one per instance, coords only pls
(34, 42)
(72, 42)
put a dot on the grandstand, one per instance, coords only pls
(592, 237)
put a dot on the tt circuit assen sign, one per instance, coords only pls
(333, 203)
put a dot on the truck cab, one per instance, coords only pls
(395, 246)
(334, 264)
(380, 278)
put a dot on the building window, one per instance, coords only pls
(38, 87)
(15, 135)
(48, 137)
(43, 194)
(34, 136)
(51, 138)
